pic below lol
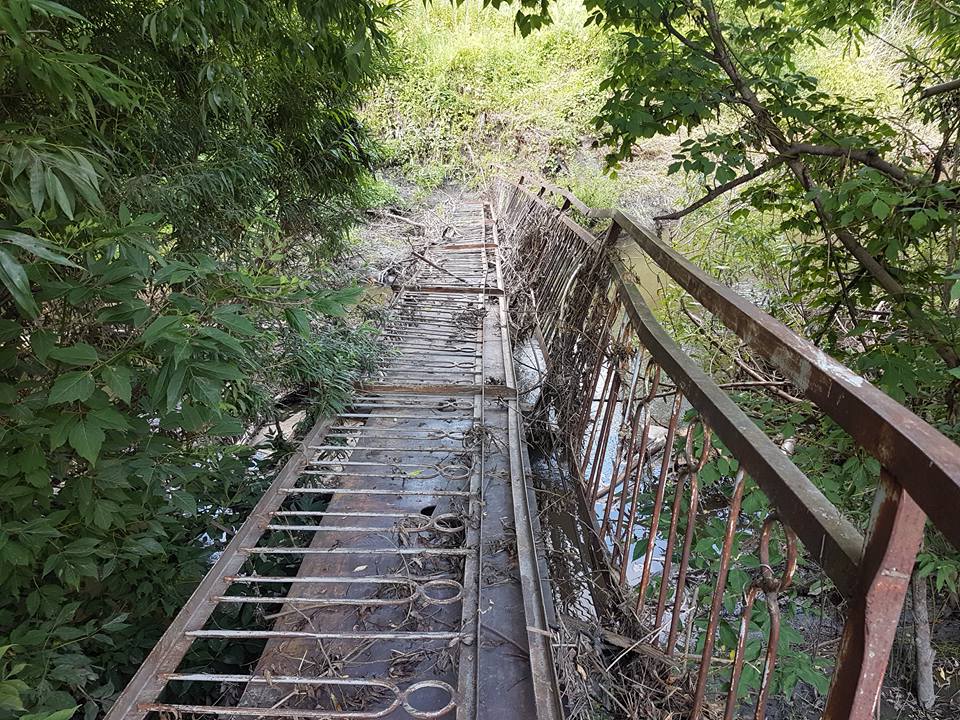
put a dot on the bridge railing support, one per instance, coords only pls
(624, 393)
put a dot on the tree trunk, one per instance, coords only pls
(926, 691)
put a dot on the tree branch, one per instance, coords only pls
(779, 141)
(725, 187)
(940, 89)
(869, 158)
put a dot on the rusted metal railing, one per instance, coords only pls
(616, 372)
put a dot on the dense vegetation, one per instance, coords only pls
(472, 98)
(812, 150)
(175, 179)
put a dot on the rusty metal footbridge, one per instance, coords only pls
(400, 565)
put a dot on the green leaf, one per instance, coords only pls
(880, 209)
(9, 330)
(40, 248)
(175, 387)
(955, 372)
(10, 694)
(235, 322)
(183, 501)
(60, 430)
(63, 200)
(14, 278)
(117, 380)
(64, 714)
(335, 303)
(8, 394)
(223, 339)
(86, 437)
(49, 7)
(79, 354)
(42, 343)
(110, 419)
(226, 426)
(37, 192)
(160, 328)
(75, 385)
(298, 320)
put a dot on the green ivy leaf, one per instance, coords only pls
(75, 385)
(117, 380)
(79, 354)
(86, 438)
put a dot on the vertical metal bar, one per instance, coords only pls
(604, 340)
(625, 446)
(695, 466)
(635, 471)
(652, 541)
(748, 600)
(664, 471)
(597, 418)
(639, 461)
(771, 586)
(623, 493)
(672, 534)
(596, 471)
(896, 531)
(716, 605)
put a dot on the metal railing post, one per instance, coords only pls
(896, 531)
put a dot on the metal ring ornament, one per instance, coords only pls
(769, 582)
(447, 471)
(770, 585)
(428, 714)
(696, 464)
(449, 523)
(421, 523)
(423, 591)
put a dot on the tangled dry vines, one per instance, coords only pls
(559, 284)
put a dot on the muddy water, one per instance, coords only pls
(650, 277)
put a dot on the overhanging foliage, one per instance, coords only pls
(174, 180)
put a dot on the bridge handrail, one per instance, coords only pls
(923, 460)
(920, 467)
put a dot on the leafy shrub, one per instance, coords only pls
(176, 180)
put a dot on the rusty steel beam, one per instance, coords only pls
(896, 533)
(539, 638)
(575, 228)
(148, 682)
(832, 540)
(571, 200)
(921, 458)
